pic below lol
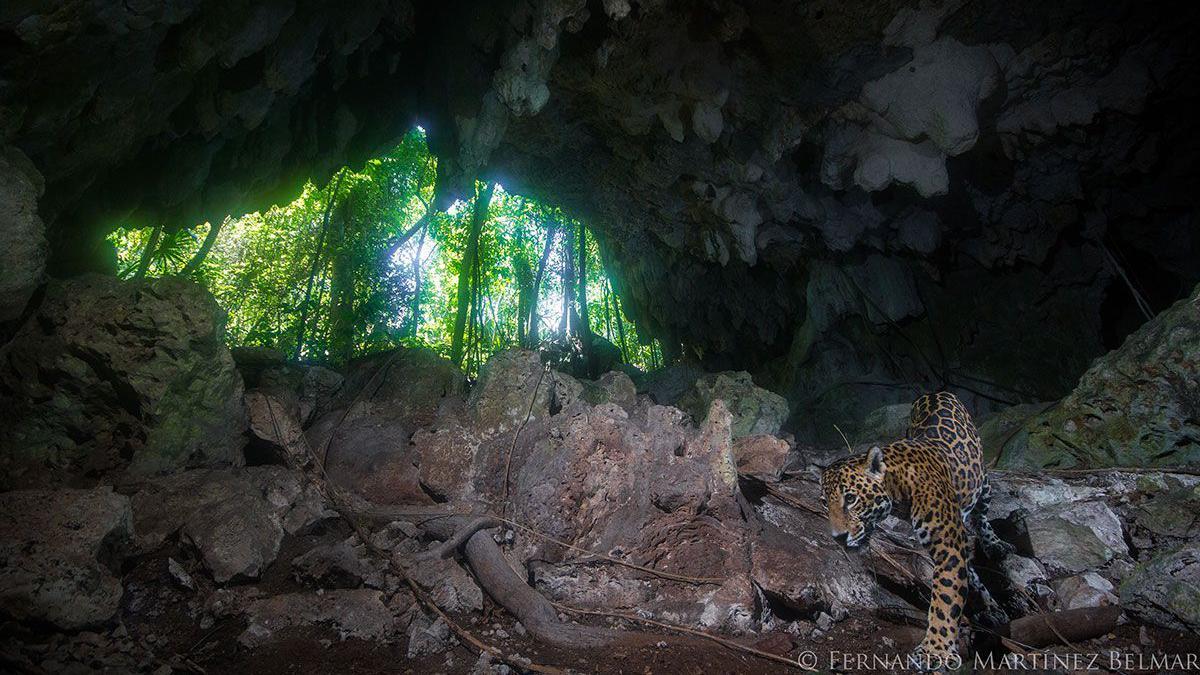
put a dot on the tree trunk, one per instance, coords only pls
(620, 326)
(399, 242)
(416, 303)
(585, 328)
(535, 321)
(304, 307)
(341, 293)
(524, 286)
(209, 239)
(419, 226)
(566, 328)
(148, 253)
(483, 199)
(607, 313)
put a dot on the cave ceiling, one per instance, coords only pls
(842, 197)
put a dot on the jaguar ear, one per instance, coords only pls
(875, 465)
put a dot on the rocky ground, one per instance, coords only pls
(132, 538)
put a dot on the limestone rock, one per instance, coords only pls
(235, 519)
(647, 486)
(1165, 590)
(611, 387)
(884, 424)
(60, 554)
(447, 460)
(108, 370)
(510, 382)
(1075, 537)
(755, 410)
(338, 565)
(277, 426)
(364, 438)
(359, 614)
(1133, 407)
(23, 246)
(450, 586)
(1086, 590)
(761, 455)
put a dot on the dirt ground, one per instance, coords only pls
(167, 620)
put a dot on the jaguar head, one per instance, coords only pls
(854, 494)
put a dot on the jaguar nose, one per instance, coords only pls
(840, 537)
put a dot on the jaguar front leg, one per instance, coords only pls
(946, 539)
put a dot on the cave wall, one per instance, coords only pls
(853, 200)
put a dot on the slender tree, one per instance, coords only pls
(616, 298)
(341, 291)
(524, 278)
(585, 328)
(483, 199)
(317, 253)
(415, 319)
(535, 321)
(567, 327)
(209, 239)
(148, 253)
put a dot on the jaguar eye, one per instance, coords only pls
(849, 498)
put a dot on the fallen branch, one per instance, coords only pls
(1065, 627)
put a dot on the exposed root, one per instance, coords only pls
(443, 524)
(529, 607)
(338, 502)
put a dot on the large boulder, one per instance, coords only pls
(514, 385)
(648, 488)
(1135, 406)
(1166, 590)
(365, 437)
(755, 410)
(884, 424)
(23, 246)
(111, 375)
(1075, 537)
(236, 520)
(60, 553)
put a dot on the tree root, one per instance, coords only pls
(529, 607)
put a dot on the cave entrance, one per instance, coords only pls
(367, 263)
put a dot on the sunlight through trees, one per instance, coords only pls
(366, 263)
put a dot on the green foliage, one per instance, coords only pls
(329, 261)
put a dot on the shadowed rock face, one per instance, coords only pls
(837, 197)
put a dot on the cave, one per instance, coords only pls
(805, 214)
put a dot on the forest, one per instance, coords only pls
(366, 263)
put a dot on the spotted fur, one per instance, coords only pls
(937, 470)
